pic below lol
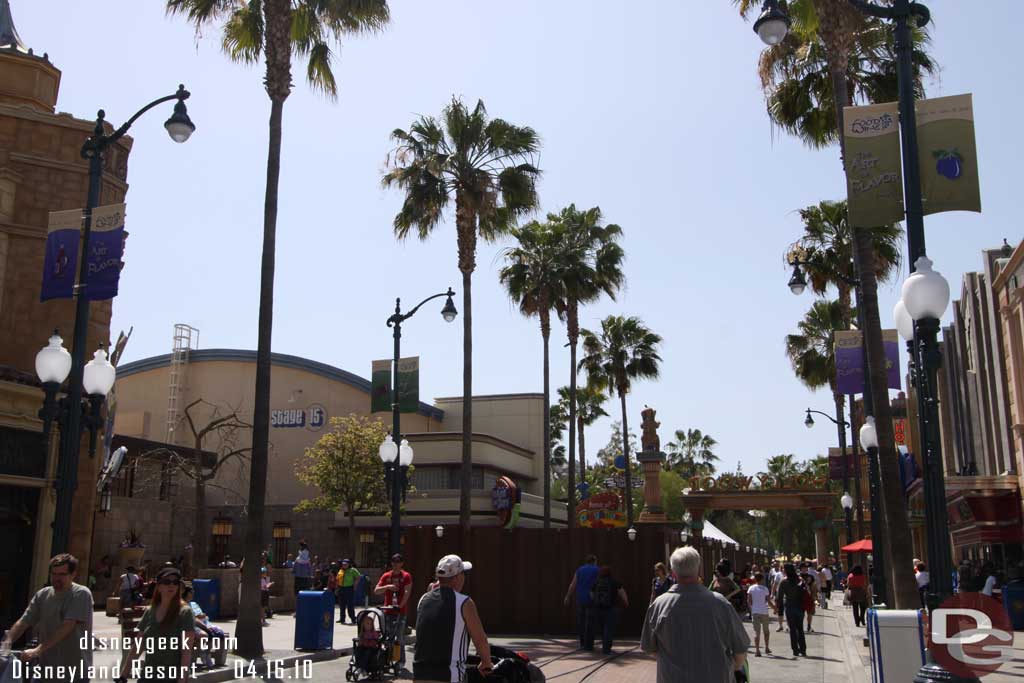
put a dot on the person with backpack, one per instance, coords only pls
(606, 596)
(582, 582)
(792, 597)
(129, 588)
(730, 590)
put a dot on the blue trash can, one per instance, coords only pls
(1013, 602)
(206, 593)
(314, 620)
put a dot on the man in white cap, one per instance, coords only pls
(445, 621)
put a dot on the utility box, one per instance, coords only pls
(897, 642)
(314, 620)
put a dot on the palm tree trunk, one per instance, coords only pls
(625, 454)
(573, 328)
(545, 331)
(466, 479)
(897, 541)
(583, 452)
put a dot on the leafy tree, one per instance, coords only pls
(484, 164)
(624, 352)
(533, 277)
(591, 265)
(613, 449)
(274, 30)
(672, 485)
(692, 453)
(344, 466)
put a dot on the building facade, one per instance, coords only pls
(157, 395)
(981, 455)
(40, 171)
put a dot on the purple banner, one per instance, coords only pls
(850, 361)
(106, 246)
(61, 257)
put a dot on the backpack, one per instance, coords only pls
(602, 593)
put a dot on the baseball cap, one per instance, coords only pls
(452, 565)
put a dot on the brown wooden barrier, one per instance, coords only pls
(520, 576)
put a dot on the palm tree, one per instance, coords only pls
(273, 30)
(484, 164)
(591, 266)
(625, 351)
(836, 25)
(533, 278)
(826, 249)
(589, 409)
(692, 453)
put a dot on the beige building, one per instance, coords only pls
(153, 395)
(40, 171)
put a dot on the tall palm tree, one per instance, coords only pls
(826, 247)
(591, 266)
(624, 352)
(836, 24)
(272, 30)
(589, 409)
(692, 453)
(533, 277)
(484, 164)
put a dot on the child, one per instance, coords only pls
(368, 643)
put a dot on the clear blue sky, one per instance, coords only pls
(656, 116)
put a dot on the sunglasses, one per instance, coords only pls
(169, 582)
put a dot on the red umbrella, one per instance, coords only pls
(862, 546)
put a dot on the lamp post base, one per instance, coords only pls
(933, 672)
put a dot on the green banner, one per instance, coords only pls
(380, 386)
(947, 154)
(874, 180)
(409, 384)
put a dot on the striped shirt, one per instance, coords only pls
(696, 633)
(442, 641)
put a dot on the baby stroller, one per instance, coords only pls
(373, 663)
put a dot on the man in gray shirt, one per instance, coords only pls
(696, 633)
(60, 615)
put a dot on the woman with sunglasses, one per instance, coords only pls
(167, 632)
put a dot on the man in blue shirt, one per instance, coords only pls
(582, 581)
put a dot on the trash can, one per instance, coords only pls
(314, 620)
(206, 593)
(895, 636)
(1013, 602)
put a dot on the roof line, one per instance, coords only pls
(279, 359)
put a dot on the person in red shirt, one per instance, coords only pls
(396, 587)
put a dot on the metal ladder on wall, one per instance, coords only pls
(176, 386)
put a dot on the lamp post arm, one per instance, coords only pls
(400, 317)
(99, 141)
(900, 8)
(834, 421)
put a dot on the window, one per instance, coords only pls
(282, 534)
(431, 478)
(168, 486)
(123, 485)
(222, 527)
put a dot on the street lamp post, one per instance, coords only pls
(847, 516)
(69, 411)
(396, 452)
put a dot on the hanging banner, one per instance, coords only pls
(380, 386)
(874, 180)
(106, 247)
(849, 357)
(409, 384)
(63, 234)
(947, 154)
(835, 464)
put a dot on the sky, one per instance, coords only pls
(655, 115)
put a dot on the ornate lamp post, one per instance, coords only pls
(397, 458)
(53, 367)
(847, 510)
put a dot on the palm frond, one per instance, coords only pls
(243, 33)
(318, 70)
